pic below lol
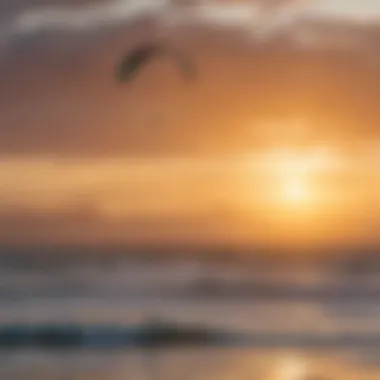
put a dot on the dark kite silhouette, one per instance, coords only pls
(134, 60)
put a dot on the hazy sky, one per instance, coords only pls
(83, 159)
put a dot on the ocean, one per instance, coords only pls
(299, 302)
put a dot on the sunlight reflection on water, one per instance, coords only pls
(184, 364)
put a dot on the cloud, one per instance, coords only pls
(85, 226)
(248, 15)
(366, 11)
(85, 17)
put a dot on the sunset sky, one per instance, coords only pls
(277, 142)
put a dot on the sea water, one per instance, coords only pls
(131, 292)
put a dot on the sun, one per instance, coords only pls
(293, 181)
(287, 182)
(295, 192)
(289, 194)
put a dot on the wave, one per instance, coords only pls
(160, 335)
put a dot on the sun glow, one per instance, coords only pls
(290, 180)
(289, 194)
(291, 368)
(296, 192)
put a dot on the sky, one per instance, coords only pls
(275, 143)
